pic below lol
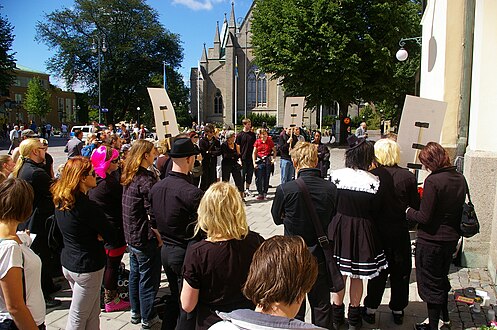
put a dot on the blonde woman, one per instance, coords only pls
(83, 225)
(20, 267)
(140, 232)
(6, 166)
(215, 268)
(32, 154)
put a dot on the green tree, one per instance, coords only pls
(7, 60)
(136, 46)
(341, 50)
(37, 100)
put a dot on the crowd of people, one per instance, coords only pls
(171, 206)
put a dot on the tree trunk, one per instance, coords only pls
(344, 109)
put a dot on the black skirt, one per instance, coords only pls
(432, 268)
(357, 248)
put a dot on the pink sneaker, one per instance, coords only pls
(117, 305)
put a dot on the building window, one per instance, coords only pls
(256, 88)
(18, 98)
(218, 102)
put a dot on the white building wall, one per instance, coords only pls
(433, 50)
(483, 114)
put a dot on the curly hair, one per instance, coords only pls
(64, 190)
(221, 213)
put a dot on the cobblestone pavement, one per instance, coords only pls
(259, 218)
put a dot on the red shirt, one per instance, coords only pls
(264, 148)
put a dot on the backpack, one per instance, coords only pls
(87, 150)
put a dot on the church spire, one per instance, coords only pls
(203, 59)
(216, 36)
(232, 23)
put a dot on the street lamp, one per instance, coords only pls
(402, 53)
(96, 48)
(138, 111)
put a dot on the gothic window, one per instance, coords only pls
(218, 102)
(256, 88)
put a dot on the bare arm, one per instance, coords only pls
(12, 289)
(189, 297)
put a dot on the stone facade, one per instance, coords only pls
(228, 79)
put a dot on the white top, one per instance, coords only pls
(11, 255)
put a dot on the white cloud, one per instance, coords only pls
(197, 4)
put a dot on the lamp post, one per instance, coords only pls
(138, 121)
(96, 48)
(402, 54)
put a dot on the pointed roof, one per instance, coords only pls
(229, 42)
(203, 59)
(217, 40)
(232, 23)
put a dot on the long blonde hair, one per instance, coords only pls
(221, 213)
(64, 190)
(134, 158)
(25, 148)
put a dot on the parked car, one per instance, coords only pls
(275, 132)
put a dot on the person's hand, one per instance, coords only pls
(100, 238)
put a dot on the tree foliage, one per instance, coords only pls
(37, 100)
(7, 60)
(337, 50)
(136, 43)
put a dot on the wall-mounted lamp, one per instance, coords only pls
(402, 53)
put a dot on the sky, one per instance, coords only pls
(193, 20)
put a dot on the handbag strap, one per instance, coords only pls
(322, 238)
(467, 190)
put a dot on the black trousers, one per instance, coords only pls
(247, 170)
(232, 169)
(209, 175)
(175, 317)
(40, 247)
(319, 299)
(398, 253)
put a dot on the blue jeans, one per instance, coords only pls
(287, 170)
(262, 174)
(144, 279)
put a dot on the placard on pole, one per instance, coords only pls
(164, 115)
(294, 111)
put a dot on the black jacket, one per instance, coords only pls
(398, 190)
(80, 227)
(108, 195)
(289, 207)
(43, 206)
(174, 202)
(439, 215)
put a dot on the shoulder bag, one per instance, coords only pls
(469, 221)
(335, 279)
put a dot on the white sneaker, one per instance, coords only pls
(247, 193)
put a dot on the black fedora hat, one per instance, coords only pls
(353, 141)
(182, 147)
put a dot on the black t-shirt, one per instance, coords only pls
(219, 270)
(246, 142)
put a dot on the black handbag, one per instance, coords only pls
(469, 221)
(55, 240)
(335, 279)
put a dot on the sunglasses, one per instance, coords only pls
(92, 173)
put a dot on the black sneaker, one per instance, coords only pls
(52, 303)
(398, 318)
(422, 326)
(369, 318)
